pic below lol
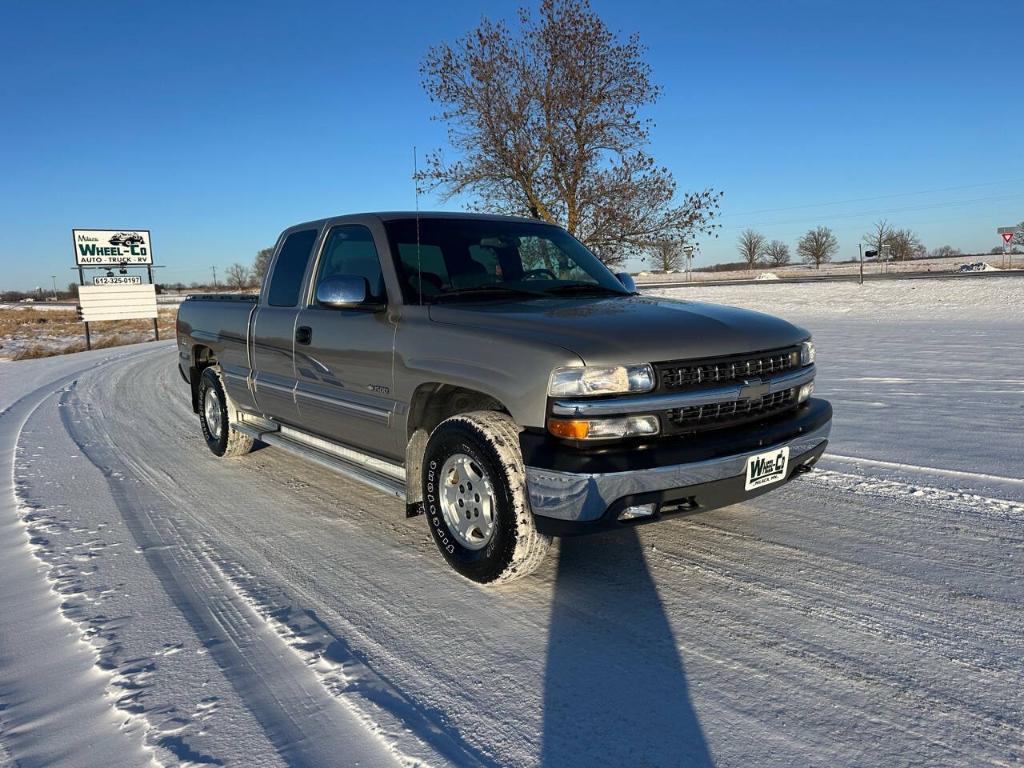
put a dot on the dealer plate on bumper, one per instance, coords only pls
(766, 468)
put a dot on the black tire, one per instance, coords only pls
(490, 440)
(221, 438)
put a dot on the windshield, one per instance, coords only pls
(486, 258)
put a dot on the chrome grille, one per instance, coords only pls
(674, 376)
(729, 412)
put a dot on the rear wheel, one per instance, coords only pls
(214, 410)
(474, 496)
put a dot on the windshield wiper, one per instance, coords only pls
(487, 290)
(574, 288)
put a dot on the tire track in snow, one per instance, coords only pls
(57, 709)
(710, 554)
(307, 725)
(383, 708)
(955, 473)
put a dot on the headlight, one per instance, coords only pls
(807, 352)
(601, 380)
(604, 429)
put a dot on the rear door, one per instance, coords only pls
(344, 364)
(273, 330)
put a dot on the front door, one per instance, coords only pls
(344, 361)
(273, 330)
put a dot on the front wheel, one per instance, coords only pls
(221, 438)
(474, 496)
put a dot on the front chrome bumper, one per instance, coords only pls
(586, 497)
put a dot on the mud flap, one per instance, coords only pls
(193, 378)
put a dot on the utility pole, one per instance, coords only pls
(214, 276)
(54, 278)
(860, 248)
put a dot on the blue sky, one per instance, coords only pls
(215, 125)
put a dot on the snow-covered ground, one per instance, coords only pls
(160, 606)
(846, 268)
(966, 300)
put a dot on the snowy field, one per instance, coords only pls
(163, 607)
(845, 268)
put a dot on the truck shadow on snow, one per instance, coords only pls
(615, 688)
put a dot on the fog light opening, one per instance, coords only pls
(637, 511)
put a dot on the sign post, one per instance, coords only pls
(156, 319)
(114, 297)
(1008, 234)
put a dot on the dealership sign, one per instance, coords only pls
(111, 247)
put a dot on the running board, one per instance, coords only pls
(366, 469)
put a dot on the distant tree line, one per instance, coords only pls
(820, 245)
(817, 246)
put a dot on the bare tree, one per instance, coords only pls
(945, 251)
(237, 277)
(1018, 236)
(905, 244)
(777, 253)
(547, 122)
(818, 246)
(666, 256)
(879, 236)
(261, 263)
(751, 247)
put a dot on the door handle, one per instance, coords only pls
(304, 334)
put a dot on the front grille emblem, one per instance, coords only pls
(754, 389)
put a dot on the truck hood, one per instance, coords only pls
(632, 329)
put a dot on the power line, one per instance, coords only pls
(877, 212)
(875, 197)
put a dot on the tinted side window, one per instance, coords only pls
(290, 267)
(350, 251)
(431, 260)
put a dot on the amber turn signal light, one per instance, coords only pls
(569, 429)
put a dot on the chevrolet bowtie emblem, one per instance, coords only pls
(754, 389)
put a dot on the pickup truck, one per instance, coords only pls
(492, 373)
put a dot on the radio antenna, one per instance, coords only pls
(416, 194)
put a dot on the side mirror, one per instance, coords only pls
(627, 281)
(343, 291)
